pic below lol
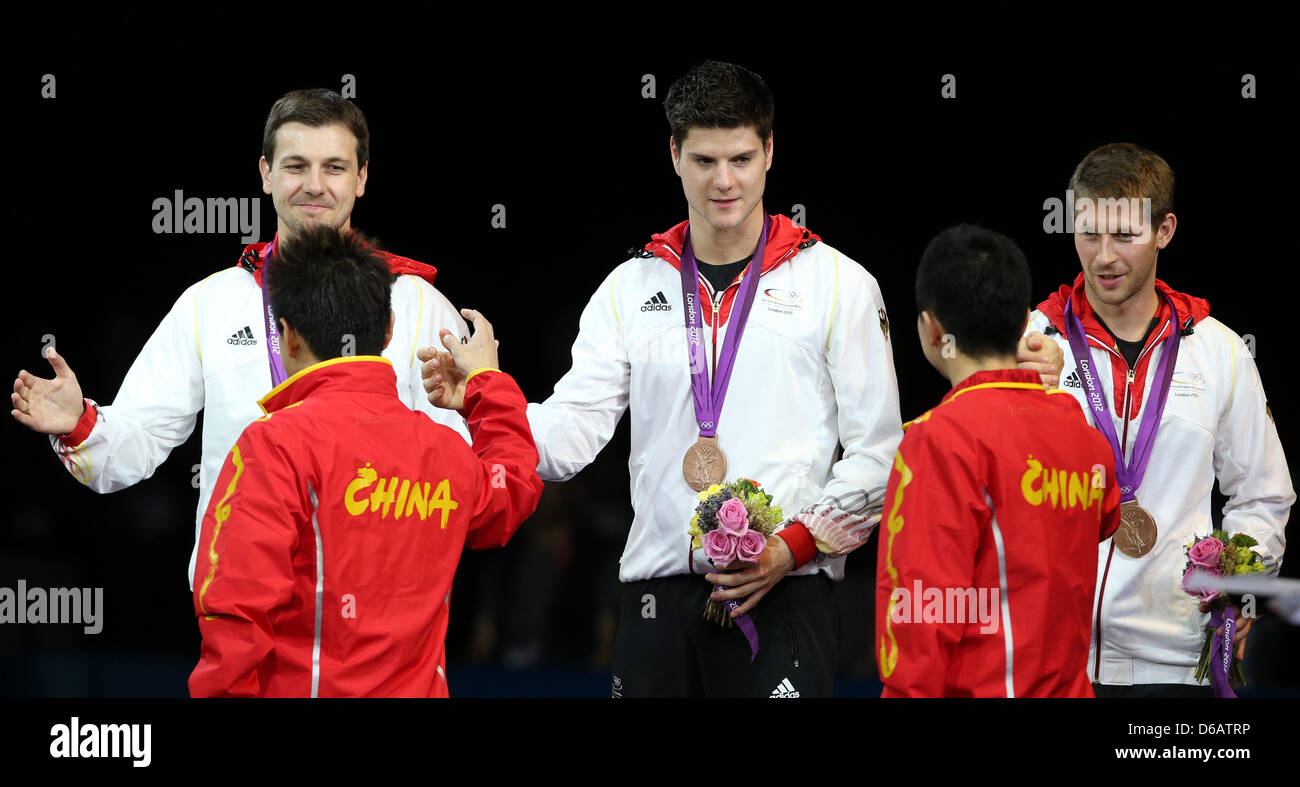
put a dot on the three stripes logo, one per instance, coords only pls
(785, 691)
(1073, 380)
(657, 304)
(243, 336)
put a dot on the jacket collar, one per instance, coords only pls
(784, 239)
(995, 378)
(254, 254)
(1054, 307)
(360, 373)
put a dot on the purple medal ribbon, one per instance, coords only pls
(278, 374)
(746, 627)
(1221, 651)
(1128, 475)
(709, 398)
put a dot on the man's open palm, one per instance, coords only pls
(48, 406)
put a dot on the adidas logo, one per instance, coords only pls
(784, 691)
(1072, 381)
(657, 304)
(242, 336)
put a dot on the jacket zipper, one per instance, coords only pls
(722, 296)
(717, 309)
(794, 643)
(1123, 448)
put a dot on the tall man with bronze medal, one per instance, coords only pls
(816, 372)
(812, 412)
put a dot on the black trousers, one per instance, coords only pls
(665, 648)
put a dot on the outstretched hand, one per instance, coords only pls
(48, 406)
(445, 372)
(1037, 353)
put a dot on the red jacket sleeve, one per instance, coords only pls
(510, 488)
(930, 530)
(244, 569)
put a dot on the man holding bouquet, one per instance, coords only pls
(745, 348)
(1177, 395)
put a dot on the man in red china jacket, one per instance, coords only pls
(328, 549)
(996, 502)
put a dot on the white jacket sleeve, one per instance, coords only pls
(576, 422)
(861, 364)
(155, 409)
(433, 313)
(1249, 463)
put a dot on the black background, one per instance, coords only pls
(559, 133)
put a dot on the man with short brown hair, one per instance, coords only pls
(217, 350)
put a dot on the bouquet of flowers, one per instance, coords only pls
(1220, 555)
(732, 523)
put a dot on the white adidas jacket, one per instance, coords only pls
(209, 353)
(814, 370)
(1215, 425)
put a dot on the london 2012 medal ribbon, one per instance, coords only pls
(1137, 532)
(705, 463)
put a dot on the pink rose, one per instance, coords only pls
(750, 546)
(1202, 596)
(1205, 553)
(733, 518)
(720, 546)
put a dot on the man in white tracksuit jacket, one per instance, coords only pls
(1147, 632)
(813, 374)
(210, 352)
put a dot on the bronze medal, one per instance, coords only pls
(1137, 530)
(705, 464)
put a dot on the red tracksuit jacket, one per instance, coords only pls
(327, 551)
(987, 558)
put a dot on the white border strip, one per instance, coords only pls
(1006, 601)
(320, 593)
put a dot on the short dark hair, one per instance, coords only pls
(329, 285)
(719, 95)
(1124, 170)
(316, 107)
(976, 282)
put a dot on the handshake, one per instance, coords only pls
(446, 372)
